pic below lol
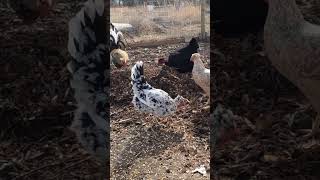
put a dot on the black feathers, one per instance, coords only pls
(180, 60)
(137, 76)
(194, 43)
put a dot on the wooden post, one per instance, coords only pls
(203, 30)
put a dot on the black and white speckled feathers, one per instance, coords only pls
(88, 46)
(148, 99)
(116, 38)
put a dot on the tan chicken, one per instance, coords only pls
(293, 46)
(30, 10)
(200, 74)
(119, 58)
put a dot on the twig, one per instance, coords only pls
(249, 123)
(37, 169)
(72, 165)
(67, 113)
(124, 121)
(239, 165)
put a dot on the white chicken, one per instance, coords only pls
(200, 74)
(151, 100)
(293, 46)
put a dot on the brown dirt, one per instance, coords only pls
(145, 147)
(246, 83)
(35, 102)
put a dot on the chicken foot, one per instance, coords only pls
(207, 104)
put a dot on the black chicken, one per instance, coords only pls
(180, 59)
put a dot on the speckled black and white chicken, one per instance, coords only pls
(148, 99)
(116, 38)
(88, 46)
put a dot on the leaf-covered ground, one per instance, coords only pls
(36, 103)
(270, 145)
(145, 147)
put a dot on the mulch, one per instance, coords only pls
(36, 103)
(270, 144)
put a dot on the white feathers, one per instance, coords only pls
(200, 74)
(148, 99)
(135, 73)
(115, 34)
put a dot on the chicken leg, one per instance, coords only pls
(207, 104)
(207, 107)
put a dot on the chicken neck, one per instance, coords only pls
(198, 65)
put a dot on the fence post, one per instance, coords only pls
(203, 30)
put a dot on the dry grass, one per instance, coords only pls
(188, 14)
(161, 22)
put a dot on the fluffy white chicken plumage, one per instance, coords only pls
(200, 74)
(151, 100)
(293, 46)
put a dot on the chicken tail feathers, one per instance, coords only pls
(137, 73)
(137, 77)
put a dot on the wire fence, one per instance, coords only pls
(163, 19)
